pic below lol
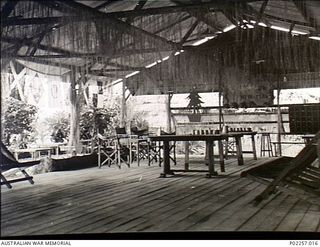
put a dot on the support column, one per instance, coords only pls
(170, 94)
(123, 104)
(74, 138)
(279, 121)
(221, 121)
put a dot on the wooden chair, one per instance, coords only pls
(107, 151)
(8, 162)
(300, 177)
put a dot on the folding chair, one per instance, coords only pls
(107, 151)
(154, 152)
(143, 148)
(138, 148)
(123, 150)
(7, 162)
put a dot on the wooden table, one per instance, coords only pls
(209, 139)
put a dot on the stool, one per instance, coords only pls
(266, 146)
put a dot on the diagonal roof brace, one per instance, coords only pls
(117, 24)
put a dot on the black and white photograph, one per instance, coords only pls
(160, 120)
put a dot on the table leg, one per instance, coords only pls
(221, 156)
(166, 159)
(130, 152)
(212, 172)
(239, 151)
(99, 155)
(254, 151)
(138, 153)
(226, 151)
(206, 159)
(186, 157)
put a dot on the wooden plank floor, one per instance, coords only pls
(112, 200)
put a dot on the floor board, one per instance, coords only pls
(112, 200)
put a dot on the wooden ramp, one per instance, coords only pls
(109, 200)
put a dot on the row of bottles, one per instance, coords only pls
(225, 129)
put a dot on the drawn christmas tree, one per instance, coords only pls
(194, 101)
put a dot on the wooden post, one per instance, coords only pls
(318, 151)
(169, 111)
(279, 151)
(74, 140)
(220, 112)
(220, 103)
(123, 104)
(186, 159)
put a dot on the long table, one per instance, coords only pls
(209, 139)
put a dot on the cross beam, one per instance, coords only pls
(213, 6)
(117, 24)
(302, 7)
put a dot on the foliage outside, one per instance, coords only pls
(18, 119)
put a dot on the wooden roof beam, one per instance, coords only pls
(67, 54)
(45, 62)
(258, 15)
(138, 7)
(63, 65)
(117, 24)
(30, 43)
(283, 19)
(183, 18)
(216, 6)
(197, 14)
(302, 7)
(105, 4)
(261, 11)
(187, 35)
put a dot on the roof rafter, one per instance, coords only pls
(189, 32)
(131, 30)
(200, 17)
(105, 4)
(139, 6)
(67, 54)
(261, 11)
(214, 6)
(301, 6)
(258, 15)
(28, 42)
